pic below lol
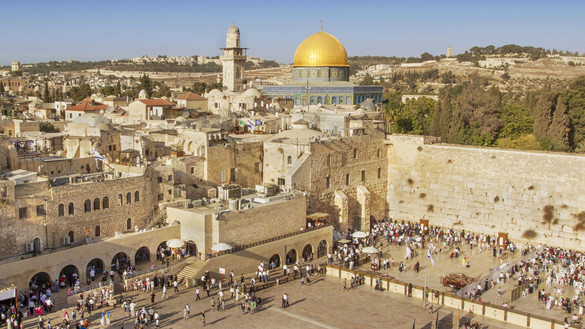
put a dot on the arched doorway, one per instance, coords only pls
(322, 249)
(120, 262)
(162, 249)
(39, 280)
(274, 261)
(37, 245)
(291, 256)
(142, 255)
(68, 275)
(95, 267)
(191, 248)
(307, 254)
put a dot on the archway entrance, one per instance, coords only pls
(68, 276)
(307, 253)
(162, 250)
(142, 255)
(37, 246)
(291, 256)
(274, 261)
(40, 280)
(191, 248)
(94, 269)
(120, 262)
(322, 249)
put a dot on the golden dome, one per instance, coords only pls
(320, 49)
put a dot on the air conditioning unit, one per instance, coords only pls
(28, 247)
(66, 240)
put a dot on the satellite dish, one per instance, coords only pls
(185, 114)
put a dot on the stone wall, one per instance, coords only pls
(244, 161)
(263, 221)
(533, 196)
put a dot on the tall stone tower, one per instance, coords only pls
(449, 51)
(15, 66)
(233, 58)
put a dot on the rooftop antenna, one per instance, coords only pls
(321, 25)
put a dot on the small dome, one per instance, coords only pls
(320, 49)
(142, 94)
(234, 29)
(93, 120)
(251, 92)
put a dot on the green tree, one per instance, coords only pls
(16, 73)
(426, 57)
(81, 92)
(414, 117)
(441, 121)
(559, 127)
(199, 87)
(47, 127)
(146, 84)
(215, 85)
(118, 89)
(367, 81)
(109, 90)
(516, 119)
(163, 90)
(46, 96)
(543, 113)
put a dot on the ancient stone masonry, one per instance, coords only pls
(534, 196)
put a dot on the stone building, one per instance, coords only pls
(233, 59)
(65, 211)
(345, 177)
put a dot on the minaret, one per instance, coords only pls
(233, 59)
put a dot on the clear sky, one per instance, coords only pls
(37, 31)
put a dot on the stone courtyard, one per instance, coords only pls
(323, 304)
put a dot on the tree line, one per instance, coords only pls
(469, 113)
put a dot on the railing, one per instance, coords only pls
(237, 248)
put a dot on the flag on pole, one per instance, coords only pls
(430, 256)
(97, 155)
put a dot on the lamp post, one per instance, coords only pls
(307, 90)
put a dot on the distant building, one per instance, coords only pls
(15, 66)
(449, 51)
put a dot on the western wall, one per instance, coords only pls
(535, 197)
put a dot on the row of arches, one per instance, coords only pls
(98, 203)
(307, 254)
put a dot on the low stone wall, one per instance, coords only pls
(72, 300)
(488, 310)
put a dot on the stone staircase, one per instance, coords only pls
(189, 272)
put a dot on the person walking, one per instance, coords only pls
(203, 318)
(152, 297)
(187, 312)
(197, 293)
(176, 285)
(164, 294)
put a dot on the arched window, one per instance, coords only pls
(333, 100)
(129, 224)
(71, 236)
(128, 198)
(87, 205)
(326, 99)
(71, 208)
(348, 100)
(97, 231)
(106, 203)
(379, 153)
(61, 210)
(96, 204)
(289, 160)
(120, 200)
(136, 196)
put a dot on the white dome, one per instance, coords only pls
(251, 92)
(142, 94)
(92, 119)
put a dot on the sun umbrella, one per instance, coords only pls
(175, 243)
(221, 247)
(370, 250)
(344, 241)
(359, 234)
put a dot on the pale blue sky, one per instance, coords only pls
(36, 31)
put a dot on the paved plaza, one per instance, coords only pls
(323, 304)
